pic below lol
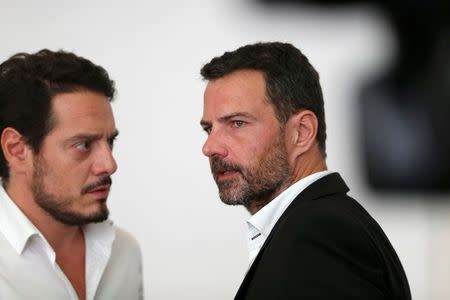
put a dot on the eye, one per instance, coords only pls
(238, 123)
(83, 145)
(111, 142)
(207, 129)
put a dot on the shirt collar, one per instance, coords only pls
(18, 229)
(14, 225)
(264, 220)
(100, 236)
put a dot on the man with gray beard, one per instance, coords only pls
(57, 133)
(264, 116)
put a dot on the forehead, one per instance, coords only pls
(241, 90)
(82, 110)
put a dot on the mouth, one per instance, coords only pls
(100, 191)
(224, 171)
(226, 175)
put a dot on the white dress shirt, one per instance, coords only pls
(28, 268)
(261, 224)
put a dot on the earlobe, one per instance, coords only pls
(14, 148)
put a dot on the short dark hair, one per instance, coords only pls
(292, 83)
(28, 82)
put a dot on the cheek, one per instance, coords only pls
(267, 142)
(57, 183)
(66, 179)
(243, 150)
(252, 152)
(250, 146)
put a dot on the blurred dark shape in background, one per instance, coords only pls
(405, 113)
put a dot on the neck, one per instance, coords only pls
(60, 236)
(307, 166)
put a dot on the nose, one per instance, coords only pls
(105, 163)
(214, 146)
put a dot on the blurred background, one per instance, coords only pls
(385, 75)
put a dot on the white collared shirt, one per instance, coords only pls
(261, 224)
(28, 268)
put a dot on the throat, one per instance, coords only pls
(72, 262)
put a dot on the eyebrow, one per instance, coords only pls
(91, 137)
(114, 134)
(225, 118)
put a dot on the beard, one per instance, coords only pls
(60, 207)
(256, 184)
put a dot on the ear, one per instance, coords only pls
(302, 131)
(15, 149)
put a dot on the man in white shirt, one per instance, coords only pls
(57, 134)
(264, 116)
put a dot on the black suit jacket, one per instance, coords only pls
(325, 246)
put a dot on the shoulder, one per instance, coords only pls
(325, 204)
(335, 222)
(125, 244)
(322, 250)
(122, 278)
(124, 236)
(334, 212)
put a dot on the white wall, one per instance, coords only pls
(193, 245)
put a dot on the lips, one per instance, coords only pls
(223, 170)
(224, 175)
(100, 191)
(100, 186)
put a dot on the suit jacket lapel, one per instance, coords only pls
(327, 185)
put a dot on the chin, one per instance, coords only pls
(94, 215)
(101, 213)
